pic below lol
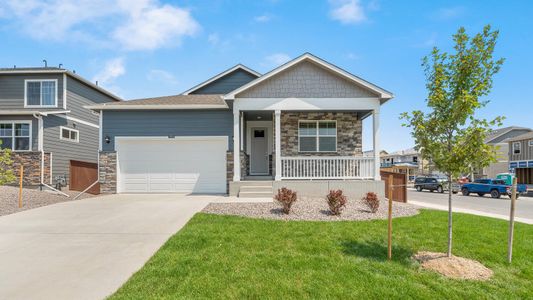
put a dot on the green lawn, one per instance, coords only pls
(233, 257)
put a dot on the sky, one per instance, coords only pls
(149, 48)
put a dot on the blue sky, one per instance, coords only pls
(152, 48)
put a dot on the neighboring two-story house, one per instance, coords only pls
(297, 126)
(44, 122)
(521, 158)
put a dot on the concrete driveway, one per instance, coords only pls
(483, 206)
(87, 249)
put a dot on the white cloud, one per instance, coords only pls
(449, 13)
(134, 25)
(347, 11)
(113, 69)
(213, 39)
(276, 59)
(353, 56)
(262, 18)
(162, 76)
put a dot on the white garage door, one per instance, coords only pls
(179, 165)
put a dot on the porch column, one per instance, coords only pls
(236, 146)
(277, 125)
(377, 149)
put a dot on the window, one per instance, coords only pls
(41, 92)
(68, 134)
(516, 147)
(15, 135)
(530, 143)
(415, 159)
(317, 136)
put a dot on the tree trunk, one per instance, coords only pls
(450, 193)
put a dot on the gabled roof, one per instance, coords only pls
(166, 102)
(383, 94)
(496, 133)
(525, 136)
(54, 70)
(220, 75)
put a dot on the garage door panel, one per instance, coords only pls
(172, 166)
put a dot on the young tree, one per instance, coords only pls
(449, 134)
(6, 174)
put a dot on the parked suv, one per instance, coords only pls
(433, 183)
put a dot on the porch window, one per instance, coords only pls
(317, 136)
(15, 136)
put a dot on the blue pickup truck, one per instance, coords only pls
(494, 187)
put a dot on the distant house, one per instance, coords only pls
(44, 122)
(404, 161)
(521, 157)
(500, 138)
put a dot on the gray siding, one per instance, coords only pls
(165, 123)
(79, 95)
(227, 83)
(306, 80)
(34, 127)
(526, 152)
(12, 89)
(62, 150)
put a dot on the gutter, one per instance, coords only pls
(155, 107)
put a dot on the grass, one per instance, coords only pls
(233, 257)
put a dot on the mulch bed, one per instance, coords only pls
(453, 267)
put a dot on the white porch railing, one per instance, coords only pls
(327, 167)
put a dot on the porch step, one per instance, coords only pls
(256, 191)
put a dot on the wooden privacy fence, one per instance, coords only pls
(399, 192)
(82, 175)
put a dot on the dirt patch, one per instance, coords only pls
(453, 267)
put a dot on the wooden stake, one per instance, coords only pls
(511, 222)
(21, 173)
(389, 248)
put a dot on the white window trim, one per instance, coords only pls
(317, 122)
(61, 128)
(519, 148)
(29, 122)
(41, 94)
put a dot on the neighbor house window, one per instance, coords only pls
(530, 143)
(415, 159)
(516, 147)
(317, 136)
(41, 92)
(68, 134)
(15, 136)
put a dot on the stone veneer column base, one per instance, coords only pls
(108, 172)
(31, 161)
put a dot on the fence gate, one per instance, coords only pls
(399, 191)
(82, 175)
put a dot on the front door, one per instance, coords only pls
(259, 153)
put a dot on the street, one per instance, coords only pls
(487, 206)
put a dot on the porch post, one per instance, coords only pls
(377, 149)
(277, 142)
(236, 146)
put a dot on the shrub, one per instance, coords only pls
(372, 201)
(6, 173)
(336, 201)
(286, 198)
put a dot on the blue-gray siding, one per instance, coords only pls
(62, 150)
(166, 123)
(12, 89)
(227, 83)
(78, 95)
(34, 127)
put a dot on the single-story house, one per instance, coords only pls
(245, 133)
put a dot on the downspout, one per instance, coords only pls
(40, 141)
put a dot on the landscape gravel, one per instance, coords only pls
(31, 198)
(310, 209)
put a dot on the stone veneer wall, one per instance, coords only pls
(229, 165)
(108, 172)
(32, 167)
(349, 132)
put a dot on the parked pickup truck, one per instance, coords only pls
(494, 187)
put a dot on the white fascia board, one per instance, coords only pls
(383, 93)
(228, 71)
(306, 104)
(153, 107)
(32, 112)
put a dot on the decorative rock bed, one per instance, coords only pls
(311, 209)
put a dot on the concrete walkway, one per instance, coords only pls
(87, 249)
